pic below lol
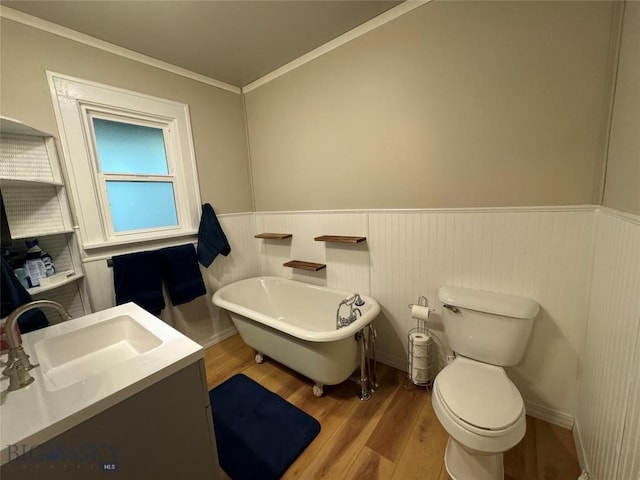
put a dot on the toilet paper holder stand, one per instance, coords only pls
(420, 346)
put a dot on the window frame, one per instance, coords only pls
(89, 112)
(76, 102)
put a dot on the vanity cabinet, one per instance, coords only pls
(163, 431)
(35, 205)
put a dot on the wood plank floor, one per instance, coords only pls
(394, 435)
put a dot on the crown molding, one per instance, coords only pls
(54, 29)
(360, 30)
(622, 215)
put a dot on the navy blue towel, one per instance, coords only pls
(258, 433)
(15, 295)
(137, 277)
(181, 273)
(211, 239)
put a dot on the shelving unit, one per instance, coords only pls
(302, 265)
(340, 239)
(36, 206)
(273, 236)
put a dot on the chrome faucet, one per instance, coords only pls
(18, 363)
(352, 316)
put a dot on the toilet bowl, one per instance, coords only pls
(474, 400)
(484, 415)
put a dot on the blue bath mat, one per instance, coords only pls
(258, 433)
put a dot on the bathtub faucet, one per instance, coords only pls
(344, 320)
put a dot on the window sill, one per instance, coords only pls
(132, 241)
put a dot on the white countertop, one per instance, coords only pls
(35, 414)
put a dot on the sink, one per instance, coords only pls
(71, 357)
(86, 366)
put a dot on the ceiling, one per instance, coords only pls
(234, 41)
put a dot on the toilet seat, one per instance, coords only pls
(479, 397)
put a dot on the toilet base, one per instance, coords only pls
(461, 464)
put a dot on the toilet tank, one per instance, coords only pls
(485, 326)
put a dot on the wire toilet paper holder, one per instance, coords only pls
(420, 346)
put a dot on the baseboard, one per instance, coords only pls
(582, 456)
(400, 364)
(218, 337)
(554, 417)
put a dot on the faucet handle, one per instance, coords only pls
(23, 356)
(18, 375)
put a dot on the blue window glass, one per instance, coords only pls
(138, 205)
(127, 148)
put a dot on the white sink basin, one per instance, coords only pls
(86, 366)
(74, 356)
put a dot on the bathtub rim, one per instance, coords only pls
(301, 333)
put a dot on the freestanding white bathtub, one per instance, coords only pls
(295, 324)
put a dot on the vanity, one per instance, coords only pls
(117, 394)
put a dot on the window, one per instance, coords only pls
(134, 175)
(130, 161)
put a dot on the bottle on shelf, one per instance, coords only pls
(37, 263)
(21, 275)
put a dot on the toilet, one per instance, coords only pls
(474, 400)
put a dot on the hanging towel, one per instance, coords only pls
(137, 277)
(15, 295)
(211, 238)
(181, 273)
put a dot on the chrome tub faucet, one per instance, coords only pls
(353, 314)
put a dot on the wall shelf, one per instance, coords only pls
(53, 286)
(41, 233)
(273, 236)
(340, 239)
(23, 182)
(301, 265)
(35, 205)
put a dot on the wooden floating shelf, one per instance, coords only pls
(313, 267)
(273, 236)
(339, 239)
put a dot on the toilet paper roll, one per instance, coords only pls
(419, 312)
(420, 344)
(419, 374)
(420, 357)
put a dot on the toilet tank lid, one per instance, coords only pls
(489, 302)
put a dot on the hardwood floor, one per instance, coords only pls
(394, 435)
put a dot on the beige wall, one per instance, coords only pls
(622, 186)
(454, 104)
(217, 117)
(219, 134)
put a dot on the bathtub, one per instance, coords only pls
(295, 324)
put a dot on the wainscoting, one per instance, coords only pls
(583, 359)
(608, 409)
(542, 253)
(200, 320)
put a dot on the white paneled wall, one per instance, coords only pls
(630, 449)
(542, 253)
(67, 295)
(349, 264)
(199, 319)
(242, 262)
(608, 407)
